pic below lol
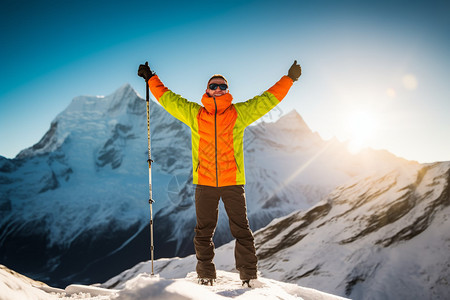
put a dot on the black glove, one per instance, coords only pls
(295, 71)
(145, 72)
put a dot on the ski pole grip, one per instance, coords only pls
(147, 96)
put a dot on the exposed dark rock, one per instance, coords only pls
(359, 274)
(66, 173)
(111, 152)
(50, 183)
(7, 165)
(313, 271)
(136, 106)
(46, 142)
(399, 208)
(294, 235)
(109, 156)
(422, 222)
(272, 202)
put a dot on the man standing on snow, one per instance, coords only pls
(217, 130)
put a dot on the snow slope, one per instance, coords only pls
(13, 286)
(382, 237)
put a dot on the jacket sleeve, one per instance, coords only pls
(182, 109)
(253, 109)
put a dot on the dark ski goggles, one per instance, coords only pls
(214, 86)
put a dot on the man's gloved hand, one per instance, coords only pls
(295, 71)
(145, 72)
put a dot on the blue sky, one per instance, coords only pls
(374, 73)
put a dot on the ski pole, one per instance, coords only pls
(149, 160)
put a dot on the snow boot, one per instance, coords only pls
(206, 281)
(246, 282)
(252, 283)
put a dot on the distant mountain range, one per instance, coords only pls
(74, 207)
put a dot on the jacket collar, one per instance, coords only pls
(222, 102)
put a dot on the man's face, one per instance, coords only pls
(217, 92)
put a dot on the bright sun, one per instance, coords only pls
(361, 127)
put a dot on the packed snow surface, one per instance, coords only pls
(14, 286)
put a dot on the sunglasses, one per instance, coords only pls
(214, 86)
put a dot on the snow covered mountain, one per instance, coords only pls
(74, 207)
(383, 236)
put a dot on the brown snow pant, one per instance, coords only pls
(207, 210)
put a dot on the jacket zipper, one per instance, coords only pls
(215, 136)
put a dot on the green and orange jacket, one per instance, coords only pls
(218, 129)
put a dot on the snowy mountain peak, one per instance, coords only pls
(294, 120)
(84, 111)
(125, 91)
(123, 97)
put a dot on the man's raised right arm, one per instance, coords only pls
(177, 106)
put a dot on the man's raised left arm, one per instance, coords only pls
(258, 106)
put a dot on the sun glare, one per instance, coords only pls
(410, 82)
(361, 127)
